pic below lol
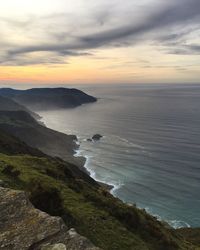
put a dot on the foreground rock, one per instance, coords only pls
(24, 227)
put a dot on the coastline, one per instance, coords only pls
(75, 157)
(176, 224)
(108, 186)
(82, 161)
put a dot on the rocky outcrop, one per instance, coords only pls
(96, 137)
(23, 227)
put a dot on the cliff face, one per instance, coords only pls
(22, 125)
(11, 105)
(11, 145)
(23, 227)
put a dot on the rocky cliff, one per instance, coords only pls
(23, 227)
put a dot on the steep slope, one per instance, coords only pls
(11, 145)
(191, 234)
(48, 98)
(11, 105)
(22, 134)
(23, 126)
(96, 214)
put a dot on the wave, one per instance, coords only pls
(116, 186)
(176, 224)
(126, 142)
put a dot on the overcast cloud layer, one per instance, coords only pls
(58, 30)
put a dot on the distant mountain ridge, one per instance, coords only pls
(48, 98)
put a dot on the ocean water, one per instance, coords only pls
(150, 150)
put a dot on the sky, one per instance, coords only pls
(115, 41)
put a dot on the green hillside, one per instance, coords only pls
(54, 187)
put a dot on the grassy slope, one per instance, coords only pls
(191, 234)
(110, 224)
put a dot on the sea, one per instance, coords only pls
(150, 150)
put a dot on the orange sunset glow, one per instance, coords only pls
(79, 42)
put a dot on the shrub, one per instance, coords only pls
(9, 170)
(47, 200)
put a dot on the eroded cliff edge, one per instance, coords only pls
(24, 227)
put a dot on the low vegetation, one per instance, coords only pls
(54, 187)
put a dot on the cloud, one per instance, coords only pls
(182, 12)
(65, 35)
(21, 58)
(192, 49)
